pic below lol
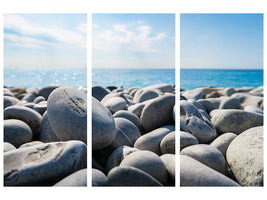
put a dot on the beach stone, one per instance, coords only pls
(67, 113)
(33, 90)
(41, 107)
(151, 141)
(16, 91)
(248, 99)
(38, 99)
(133, 91)
(8, 147)
(215, 101)
(235, 121)
(257, 90)
(16, 132)
(118, 155)
(78, 179)
(115, 104)
(198, 105)
(169, 162)
(167, 144)
(7, 92)
(10, 101)
(213, 94)
(130, 116)
(103, 125)
(47, 90)
(245, 157)
(137, 108)
(27, 115)
(208, 155)
(29, 144)
(99, 92)
(228, 91)
(244, 89)
(128, 128)
(193, 94)
(158, 112)
(222, 142)
(32, 165)
(110, 88)
(29, 97)
(162, 87)
(98, 178)
(144, 95)
(230, 103)
(209, 106)
(253, 108)
(46, 132)
(187, 139)
(149, 162)
(195, 173)
(130, 176)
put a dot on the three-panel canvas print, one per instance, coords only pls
(133, 122)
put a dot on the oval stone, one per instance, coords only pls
(158, 112)
(187, 139)
(245, 157)
(151, 141)
(67, 113)
(10, 101)
(149, 162)
(115, 104)
(76, 179)
(130, 116)
(235, 121)
(47, 90)
(8, 147)
(169, 162)
(99, 92)
(16, 132)
(130, 176)
(27, 115)
(207, 155)
(32, 165)
(103, 125)
(98, 178)
(167, 144)
(194, 173)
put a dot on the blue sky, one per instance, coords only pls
(133, 40)
(226, 41)
(45, 41)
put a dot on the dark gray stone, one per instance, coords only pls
(187, 139)
(67, 114)
(99, 92)
(47, 90)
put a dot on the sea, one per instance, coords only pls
(39, 78)
(132, 77)
(195, 78)
(189, 78)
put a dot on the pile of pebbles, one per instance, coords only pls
(45, 136)
(133, 136)
(221, 136)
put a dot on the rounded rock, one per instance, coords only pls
(27, 115)
(8, 147)
(99, 92)
(115, 104)
(103, 125)
(149, 162)
(169, 161)
(10, 101)
(47, 90)
(207, 155)
(194, 173)
(16, 132)
(130, 176)
(158, 112)
(245, 157)
(130, 116)
(187, 139)
(67, 113)
(98, 178)
(78, 179)
(167, 144)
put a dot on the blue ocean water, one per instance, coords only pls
(39, 78)
(194, 78)
(132, 77)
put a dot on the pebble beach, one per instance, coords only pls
(45, 136)
(221, 136)
(133, 136)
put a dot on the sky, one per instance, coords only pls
(225, 41)
(133, 40)
(45, 41)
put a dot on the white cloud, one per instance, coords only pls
(137, 38)
(62, 36)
